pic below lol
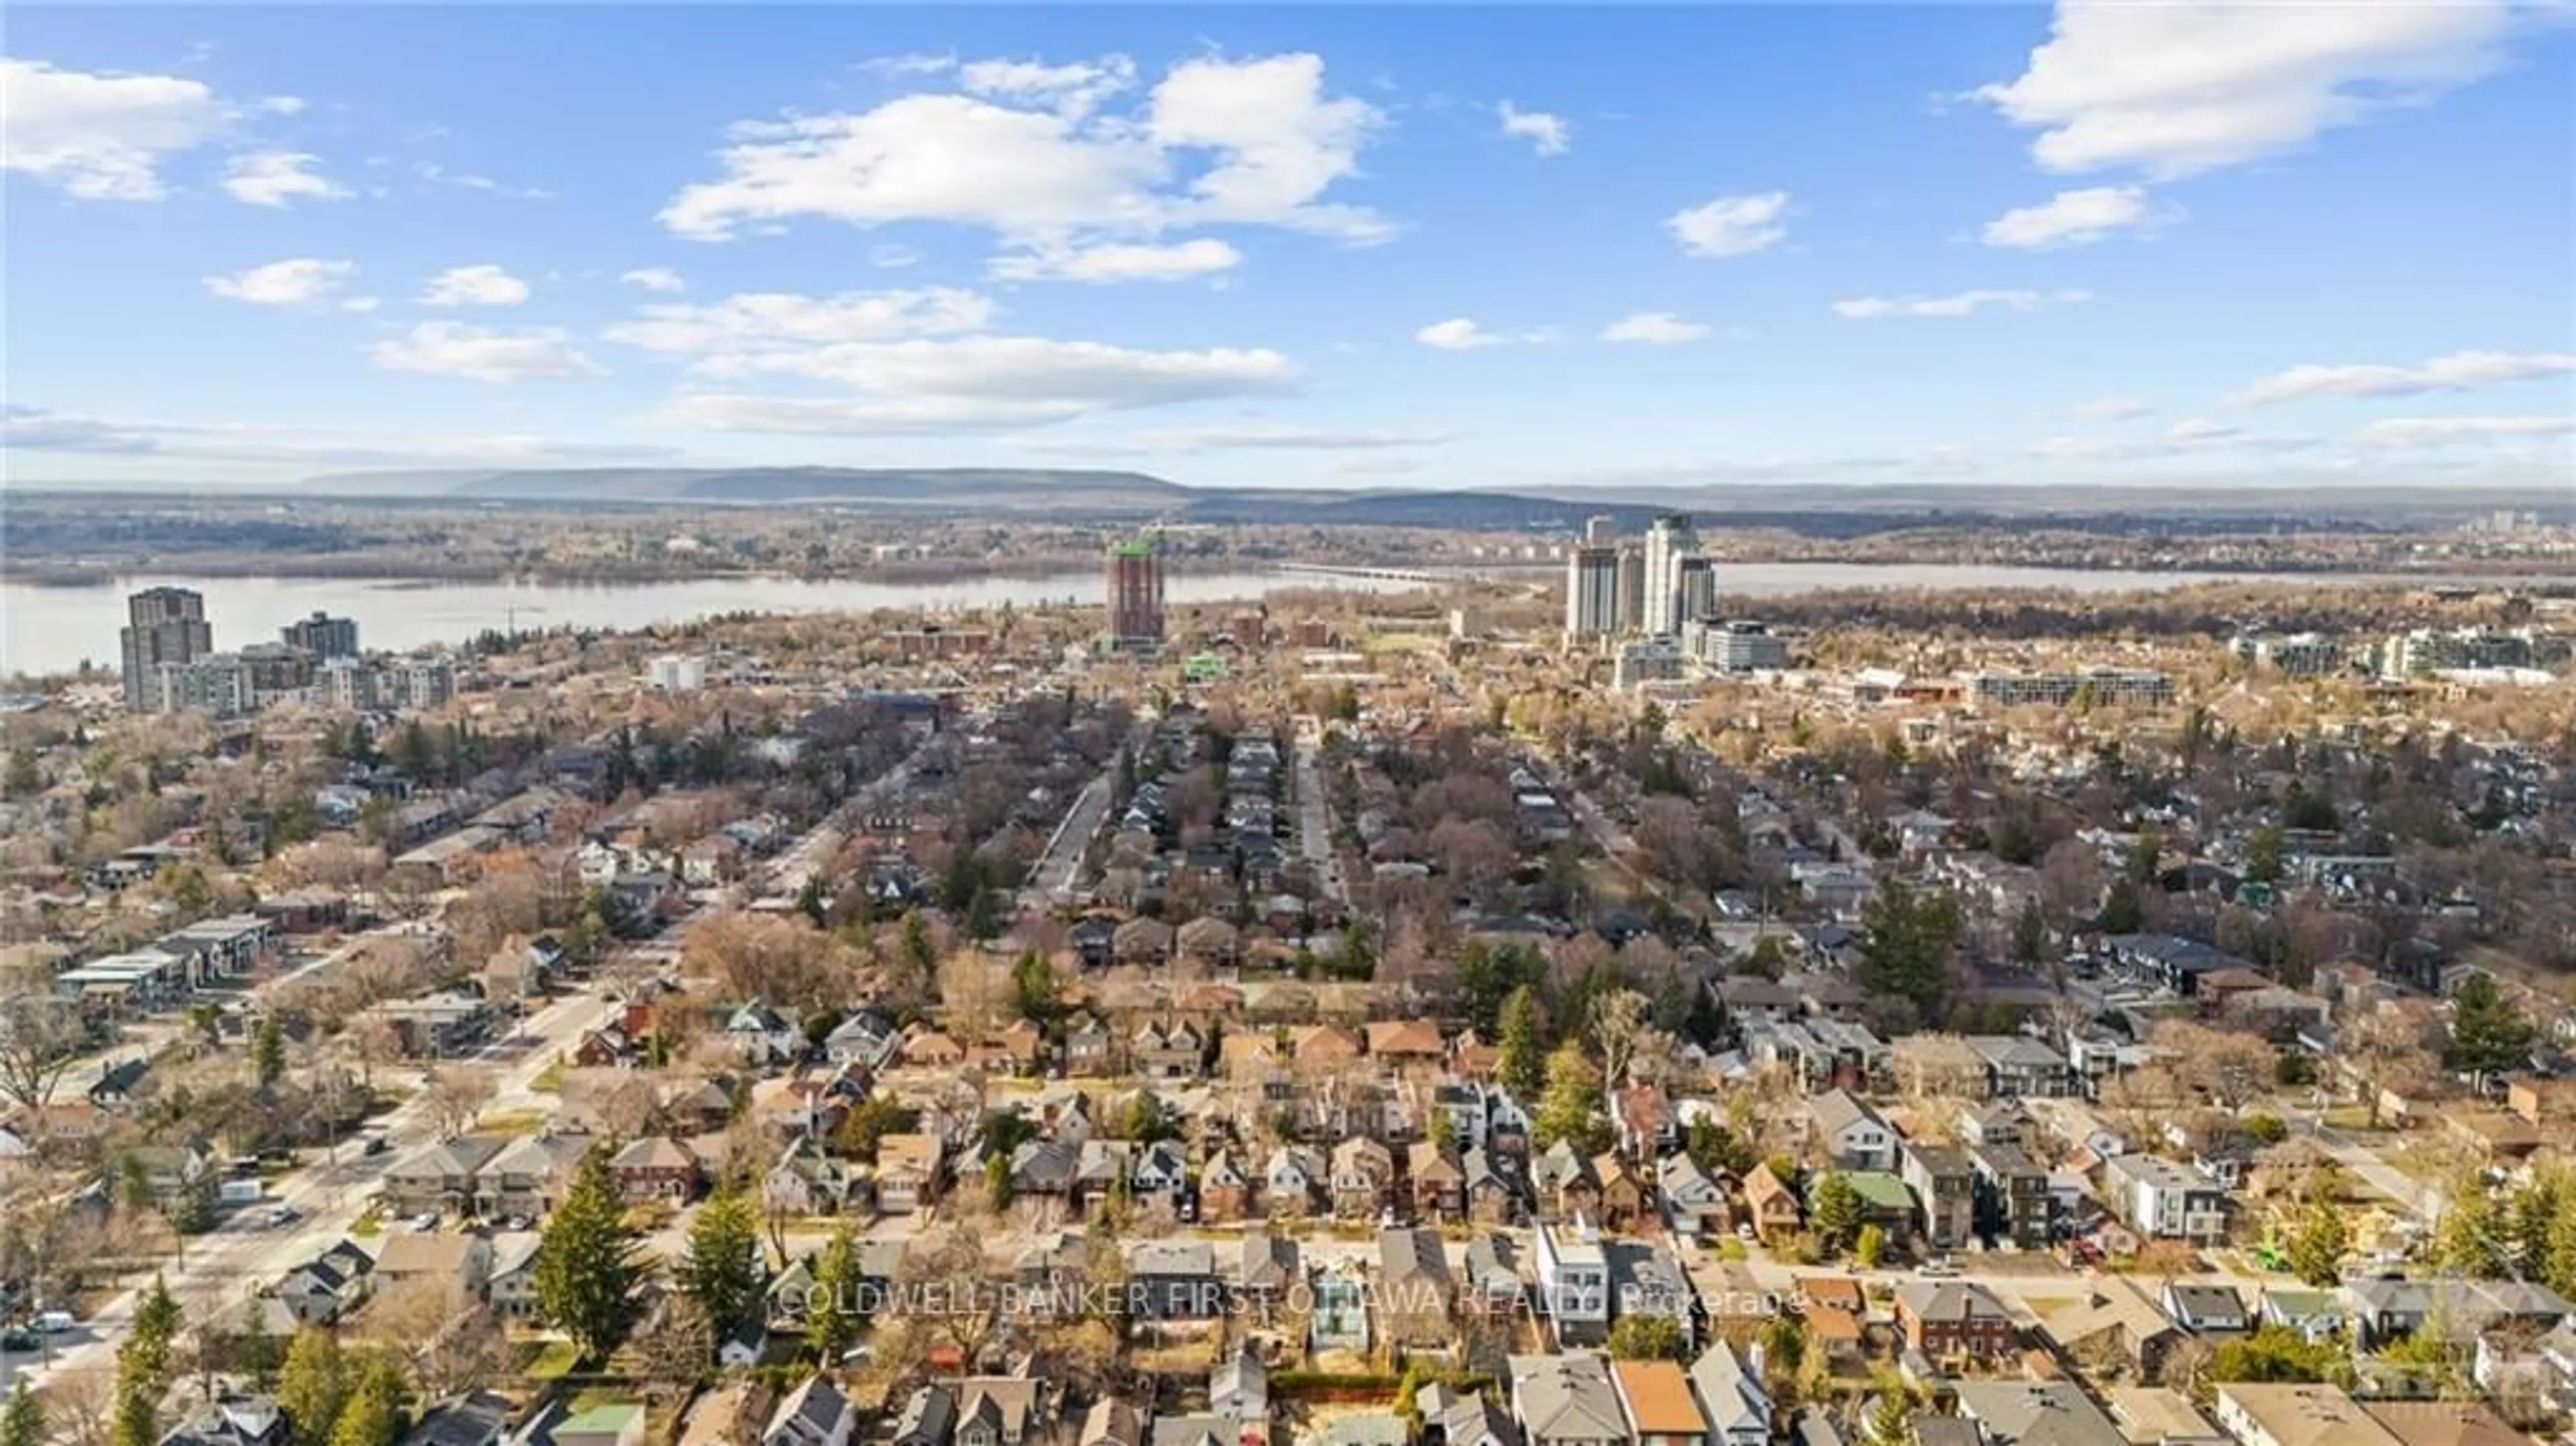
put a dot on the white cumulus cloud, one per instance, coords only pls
(2076, 218)
(1549, 135)
(38, 429)
(758, 320)
(1217, 141)
(1732, 225)
(297, 282)
(1654, 328)
(1075, 89)
(2111, 409)
(453, 349)
(655, 278)
(1119, 261)
(2458, 372)
(101, 136)
(483, 285)
(2174, 89)
(1458, 333)
(277, 178)
(980, 383)
(2445, 431)
(1964, 303)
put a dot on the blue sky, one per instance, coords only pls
(1406, 247)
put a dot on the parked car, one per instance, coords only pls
(376, 1145)
(52, 1322)
(1939, 1267)
(278, 1215)
(17, 1339)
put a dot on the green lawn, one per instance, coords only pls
(552, 1360)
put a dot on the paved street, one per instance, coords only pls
(226, 1265)
(2420, 1197)
(1314, 815)
(1051, 882)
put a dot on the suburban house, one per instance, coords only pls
(1657, 1398)
(1567, 1400)
(1731, 1392)
(655, 1167)
(1849, 1134)
(440, 1178)
(1945, 1192)
(2036, 1413)
(1951, 1318)
(1415, 1292)
(1574, 1284)
(2276, 1414)
(814, 1414)
(2164, 1200)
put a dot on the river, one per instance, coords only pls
(52, 629)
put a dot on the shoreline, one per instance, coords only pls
(64, 576)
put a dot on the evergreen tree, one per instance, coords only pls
(2317, 1246)
(1033, 989)
(1868, 1247)
(150, 1337)
(1835, 1212)
(268, 1053)
(1906, 943)
(832, 1311)
(983, 914)
(2489, 1035)
(2470, 1238)
(137, 1421)
(1715, 1148)
(1891, 1415)
(1570, 1107)
(373, 1415)
(1523, 1046)
(22, 1423)
(916, 942)
(312, 1386)
(587, 1267)
(2263, 855)
(1784, 1345)
(809, 900)
(1643, 1337)
(2030, 935)
(724, 1271)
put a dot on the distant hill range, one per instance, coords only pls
(1107, 496)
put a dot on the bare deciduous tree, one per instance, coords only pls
(456, 1095)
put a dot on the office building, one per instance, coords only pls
(1601, 531)
(1646, 660)
(1694, 589)
(1632, 587)
(2095, 687)
(323, 636)
(416, 683)
(217, 683)
(678, 673)
(1669, 539)
(2425, 650)
(162, 625)
(1135, 594)
(347, 684)
(1592, 602)
(277, 670)
(2299, 655)
(1741, 647)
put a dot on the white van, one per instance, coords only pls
(52, 1322)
